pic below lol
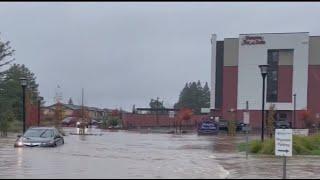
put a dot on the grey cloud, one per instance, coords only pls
(126, 53)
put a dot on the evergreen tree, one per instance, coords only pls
(194, 96)
(6, 52)
(156, 104)
(11, 96)
(206, 96)
(70, 102)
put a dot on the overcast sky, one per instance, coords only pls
(127, 53)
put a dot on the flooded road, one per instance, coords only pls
(113, 155)
(125, 154)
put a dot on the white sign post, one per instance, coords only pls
(246, 118)
(283, 146)
(246, 121)
(171, 114)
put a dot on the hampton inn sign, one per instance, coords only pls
(253, 40)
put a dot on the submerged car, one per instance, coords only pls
(41, 137)
(208, 127)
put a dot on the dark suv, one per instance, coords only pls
(223, 125)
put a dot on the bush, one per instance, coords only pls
(309, 145)
(16, 126)
(255, 146)
(268, 147)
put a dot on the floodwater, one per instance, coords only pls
(113, 155)
(123, 154)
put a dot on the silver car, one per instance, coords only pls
(41, 137)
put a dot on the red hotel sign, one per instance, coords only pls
(252, 40)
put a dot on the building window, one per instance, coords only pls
(272, 79)
(276, 57)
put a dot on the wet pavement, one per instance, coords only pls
(123, 154)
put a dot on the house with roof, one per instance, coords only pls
(71, 110)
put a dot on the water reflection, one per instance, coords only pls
(19, 156)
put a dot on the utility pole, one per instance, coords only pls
(294, 110)
(157, 118)
(82, 107)
(247, 129)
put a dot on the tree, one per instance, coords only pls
(232, 123)
(307, 119)
(58, 114)
(271, 120)
(6, 119)
(205, 101)
(194, 96)
(12, 90)
(6, 52)
(70, 101)
(156, 104)
(184, 114)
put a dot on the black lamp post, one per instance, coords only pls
(23, 82)
(39, 108)
(294, 110)
(264, 72)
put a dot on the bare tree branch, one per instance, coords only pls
(6, 52)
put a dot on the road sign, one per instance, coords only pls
(283, 142)
(246, 118)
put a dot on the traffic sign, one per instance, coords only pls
(246, 118)
(283, 142)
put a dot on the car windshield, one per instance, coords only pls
(42, 133)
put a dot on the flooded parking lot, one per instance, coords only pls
(113, 155)
(125, 154)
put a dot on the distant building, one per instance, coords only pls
(294, 60)
(70, 110)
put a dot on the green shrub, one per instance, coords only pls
(16, 126)
(268, 147)
(309, 145)
(315, 152)
(255, 146)
(241, 147)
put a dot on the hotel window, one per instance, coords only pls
(276, 57)
(272, 79)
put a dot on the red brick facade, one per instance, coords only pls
(285, 83)
(229, 94)
(31, 115)
(314, 89)
(130, 120)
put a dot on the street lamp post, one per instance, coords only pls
(294, 110)
(23, 82)
(39, 108)
(264, 72)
